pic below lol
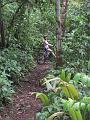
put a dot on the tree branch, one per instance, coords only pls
(7, 3)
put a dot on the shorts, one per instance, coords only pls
(46, 52)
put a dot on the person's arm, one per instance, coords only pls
(50, 44)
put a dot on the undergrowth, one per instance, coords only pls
(14, 62)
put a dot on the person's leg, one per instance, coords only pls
(51, 52)
(46, 53)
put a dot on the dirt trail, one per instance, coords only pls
(24, 104)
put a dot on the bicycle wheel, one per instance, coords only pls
(40, 57)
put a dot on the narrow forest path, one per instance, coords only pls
(25, 104)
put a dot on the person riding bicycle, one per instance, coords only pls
(47, 45)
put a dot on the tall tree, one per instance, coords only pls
(60, 28)
(58, 34)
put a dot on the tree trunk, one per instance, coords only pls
(2, 34)
(58, 31)
(63, 17)
(60, 28)
(2, 37)
(58, 34)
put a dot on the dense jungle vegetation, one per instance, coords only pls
(67, 85)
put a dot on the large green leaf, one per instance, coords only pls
(68, 77)
(62, 75)
(73, 91)
(72, 113)
(43, 98)
(78, 114)
(69, 90)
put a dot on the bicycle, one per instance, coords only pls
(42, 55)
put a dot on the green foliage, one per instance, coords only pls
(83, 78)
(70, 91)
(25, 22)
(76, 41)
(64, 76)
(55, 105)
(14, 61)
(6, 90)
(57, 83)
(66, 97)
(43, 98)
(27, 25)
(75, 108)
(85, 104)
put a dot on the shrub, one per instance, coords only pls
(6, 90)
(15, 61)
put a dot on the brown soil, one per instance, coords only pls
(25, 105)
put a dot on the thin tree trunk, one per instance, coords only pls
(58, 34)
(2, 37)
(0, 23)
(2, 34)
(63, 17)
